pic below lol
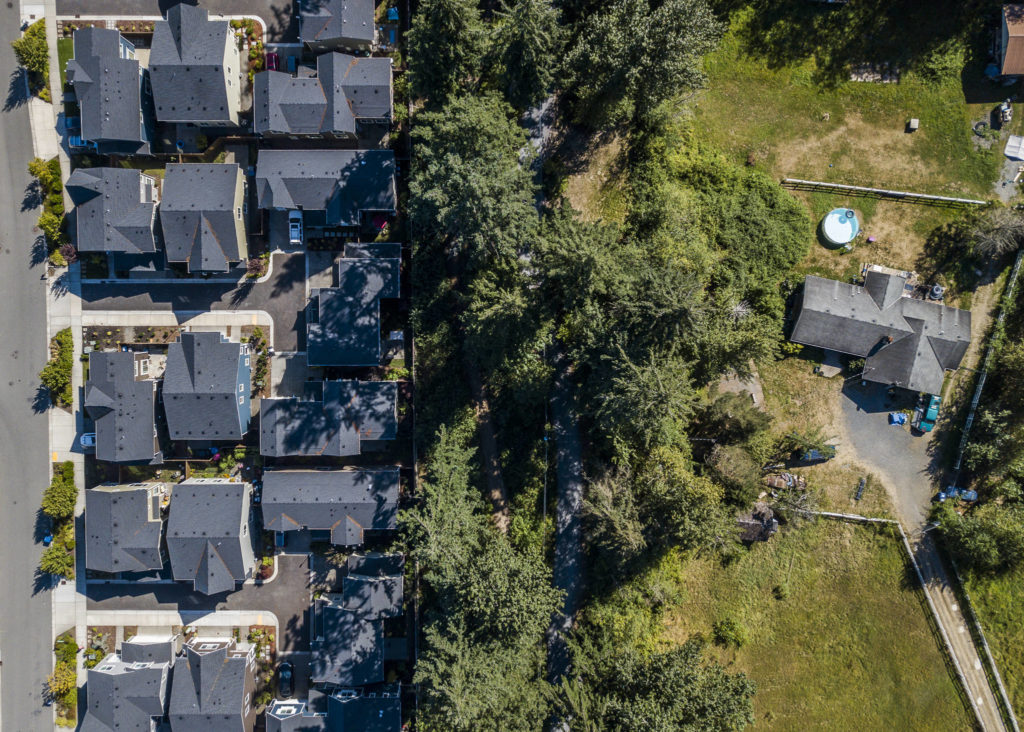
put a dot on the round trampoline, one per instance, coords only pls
(840, 226)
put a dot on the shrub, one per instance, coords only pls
(65, 649)
(32, 51)
(60, 497)
(63, 679)
(56, 375)
(57, 560)
(729, 632)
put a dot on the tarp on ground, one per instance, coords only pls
(1014, 147)
(898, 418)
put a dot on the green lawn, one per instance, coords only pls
(65, 52)
(999, 605)
(850, 646)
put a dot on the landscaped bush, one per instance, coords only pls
(59, 499)
(56, 375)
(34, 55)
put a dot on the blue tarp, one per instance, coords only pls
(897, 418)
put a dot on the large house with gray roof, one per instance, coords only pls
(337, 25)
(344, 327)
(195, 69)
(332, 188)
(121, 400)
(347, 91)
(201, 216)
(374, 585)
(905, 341)
(213, 687)
(123, 527)
(344, 418)
(114, 211)
(343, 503)
(209, 537)
(377, 709)
(206, 388)
(126, 695)
(112, 93)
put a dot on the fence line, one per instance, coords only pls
(882, 193)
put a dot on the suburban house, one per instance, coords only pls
(206, 388)
(343, 503)
(121, 400)
(156, 647)
(125, 694)
(337, 25)
(114, 212)
(195, 69)
(906, 342)
(345, 418)
(348, 629)
(123, 527)
(347, 91)
(213, 686)
(208, 534)
(1011, 48)
(201, 216)
(344, 327)
(345, 710)
(332, 188)
(112, 93)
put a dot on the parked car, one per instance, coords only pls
(272, 61)
(285, 680)
(927, 412)
(295, 227)
(87, 440)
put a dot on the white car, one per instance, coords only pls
(295, 227)
(87, 440)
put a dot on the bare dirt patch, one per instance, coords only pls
(596, 188)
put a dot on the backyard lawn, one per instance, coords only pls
(849, 643)
(65, 51)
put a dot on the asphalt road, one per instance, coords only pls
(278, 15)
(25, 632)
(283, 297)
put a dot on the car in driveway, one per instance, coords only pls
(88, 441)
(285, 680)
(295, 227)
(273, 61)
(927, 412)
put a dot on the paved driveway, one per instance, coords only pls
(283, 297)
(278, 15)
(287, 596)
(899, 458)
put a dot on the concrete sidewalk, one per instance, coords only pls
(195, 618)
(188, 319)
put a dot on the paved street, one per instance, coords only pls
(287, 596)
(283, 297)
(25, 632)
(278, 15)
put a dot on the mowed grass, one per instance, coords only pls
(1000, 607)
(65, 52)
(787, 120)
(849, 647)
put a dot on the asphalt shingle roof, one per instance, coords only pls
(199, 217)
(122, 529)
(186, 67)
(201, 388)
(124, 697)
(349, 646)
(363, 713)
(111, 212)
(208, 690)
(208, 536)
(341, 183)
(906, 342)
(148, 651)
(107, 89)
(122, 408)
(344, 22)
(345, 502)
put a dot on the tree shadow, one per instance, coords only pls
(33, 197)
(41, 401)
(17, 90)
(240, 294)
(37, 253)
(41, 582)
(61, 285)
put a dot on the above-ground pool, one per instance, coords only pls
(840, 226)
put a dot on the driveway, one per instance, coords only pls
(899, 458)
(278, 15)
(282, 296)
(287, 596)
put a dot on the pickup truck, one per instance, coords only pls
(927, 412)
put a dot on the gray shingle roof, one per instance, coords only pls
(347, 331)
(341, 183)
(349, 412)
(345, 89)
(905, 341)
(381, 712)
(198, 216)
(186, 67)
(209, 688)
(346, 502)
(124, 696)
(122, 528)
(348, 650)
(374, 597)
(208, 537)
(107, 89)
(148, 651)
(294, 716)
(112, 213)
(122, 408)
(338, 22)
(201, 388)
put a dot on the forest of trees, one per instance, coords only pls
(512, 285)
